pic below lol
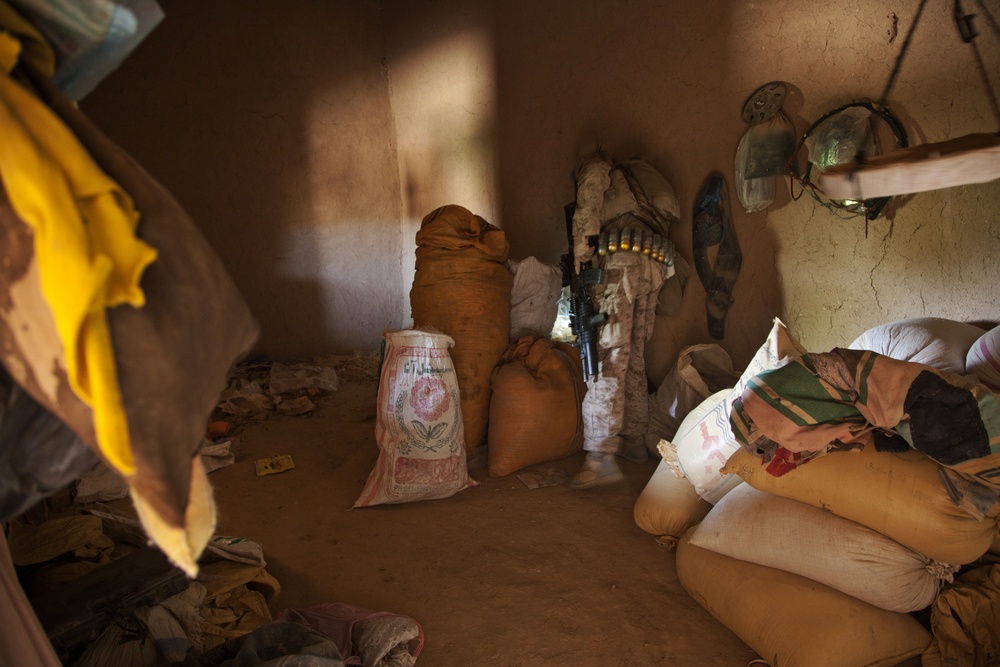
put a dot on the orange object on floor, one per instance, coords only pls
(217, 429)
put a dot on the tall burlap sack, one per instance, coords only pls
(669, 504)
(462, 287)
(762, 528)
(899, 494)
(535, 408)
(791, 621)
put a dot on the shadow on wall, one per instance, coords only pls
(443, 98)
(442, 93)
(443, 104)
(664, 80)
(272, 128)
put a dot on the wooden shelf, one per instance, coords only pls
(974, 158)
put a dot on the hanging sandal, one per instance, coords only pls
(713, 226)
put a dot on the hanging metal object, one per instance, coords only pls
(974, 158)
(765, 102)
(755, 194)
(770, 141)
(766, 149)
(882, 123)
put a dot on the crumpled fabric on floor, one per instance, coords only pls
(366, 637)
(965, 620)
(278, 644)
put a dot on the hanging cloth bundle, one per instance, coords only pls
(713, 226)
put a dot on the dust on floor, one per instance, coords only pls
(499, 574)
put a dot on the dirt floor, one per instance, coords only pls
(499, 574)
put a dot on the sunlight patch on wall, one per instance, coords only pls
(443, 97)
(337, 239)
(342, 281)
(443, 102)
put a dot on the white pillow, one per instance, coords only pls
(704, 443)
(778, 349)
(704, 440)
(937, 342)
(983, 359)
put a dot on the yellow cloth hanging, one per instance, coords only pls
(88, 255)
(18, 34)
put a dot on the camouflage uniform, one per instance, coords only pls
(616, 407)
(614, 196)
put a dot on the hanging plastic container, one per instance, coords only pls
(755, 194)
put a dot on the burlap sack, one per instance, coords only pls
(899, 494)
(760, 527)
(669, 504)
(535, 408)
(792, 621)
(418, 426)
(462, 288)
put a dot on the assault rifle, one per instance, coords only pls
(583, 321)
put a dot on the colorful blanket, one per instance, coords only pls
(847, 398)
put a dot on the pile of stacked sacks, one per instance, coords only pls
(834, 562)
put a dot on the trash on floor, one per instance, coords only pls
(378, 639)
(245, 399)
(274, 465)
(217, 429)
(539, 479)
(102, 483)
(215, 455)
(257, 389)
(104, 597)
(285, 378)
(297, 406)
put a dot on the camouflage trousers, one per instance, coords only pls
(616, 407)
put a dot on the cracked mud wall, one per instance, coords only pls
(669, 80)
(308, 139)
(936, 255)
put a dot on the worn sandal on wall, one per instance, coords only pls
(713, 226)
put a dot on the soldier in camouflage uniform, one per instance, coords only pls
(610, 198)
